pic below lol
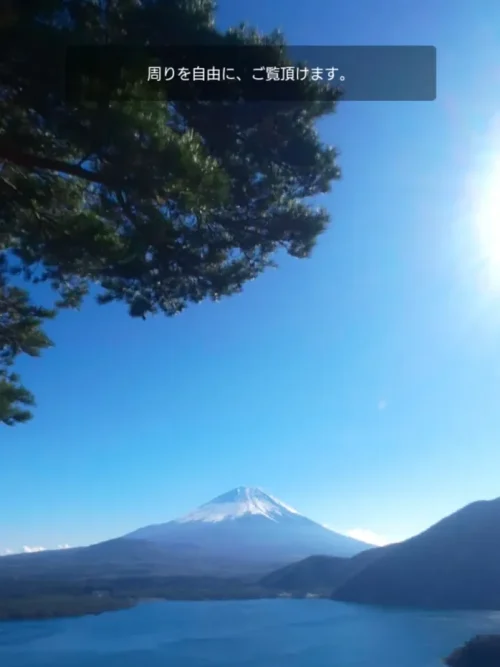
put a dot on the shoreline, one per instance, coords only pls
(40, 609)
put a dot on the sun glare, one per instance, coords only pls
(486, 211)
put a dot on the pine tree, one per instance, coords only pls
(156, 204)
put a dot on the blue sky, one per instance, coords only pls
(360, 386)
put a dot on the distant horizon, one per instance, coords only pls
(35, 549)
(362, 535)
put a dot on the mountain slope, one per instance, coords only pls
(455, 564)
(242, 533)
(116, 558)
(248, 522)
(119, 558)
(317, 574)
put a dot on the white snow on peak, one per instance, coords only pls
(240, 502)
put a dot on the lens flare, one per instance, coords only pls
(485, 199)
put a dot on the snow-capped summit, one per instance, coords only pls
(237, 503)
(249, 524)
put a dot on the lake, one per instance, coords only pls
(262, 633)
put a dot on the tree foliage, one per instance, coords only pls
(157, 204)
(480, 651)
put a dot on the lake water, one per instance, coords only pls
(263, 633)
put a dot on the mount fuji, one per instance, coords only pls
(247, 525)
(244, 532)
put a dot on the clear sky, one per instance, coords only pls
(360, 386)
